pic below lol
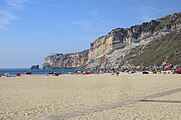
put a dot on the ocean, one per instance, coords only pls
(34, 71)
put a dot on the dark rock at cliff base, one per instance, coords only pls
(35, 67)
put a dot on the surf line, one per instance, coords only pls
(109, 106)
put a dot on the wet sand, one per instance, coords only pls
(38, 96)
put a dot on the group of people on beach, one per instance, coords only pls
(165, 69)
(16, 75)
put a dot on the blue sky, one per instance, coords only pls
(32, 29)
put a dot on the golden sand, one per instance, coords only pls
(39, 96)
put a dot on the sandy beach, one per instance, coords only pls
(37, 97)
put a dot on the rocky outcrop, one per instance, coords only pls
(110, 51)
(35, 67)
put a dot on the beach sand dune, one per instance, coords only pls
(38, 96)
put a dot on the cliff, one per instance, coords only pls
(71, 60)
(118, 47)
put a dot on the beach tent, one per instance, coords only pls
(164, 63)
(55, 74)
(145, 72)
(178, 71)
(168, 67)
(18, 74)
(28, 73)
(7, 74)
(87, 73)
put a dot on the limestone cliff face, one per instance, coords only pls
(114, 49)
(110, 51)
(72, 60)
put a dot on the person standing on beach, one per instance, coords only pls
(117, 73)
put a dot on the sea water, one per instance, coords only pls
(35, 71)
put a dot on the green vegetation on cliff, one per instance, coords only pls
(167, 47)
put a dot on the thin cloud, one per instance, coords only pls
(7, 13)
(95, 23)
(47, 5)
(146, 18)
(88, 25)
(97, 15)
(151, 9)
(82, 23)
(6, 18)
(16, 4)
(147, 13)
